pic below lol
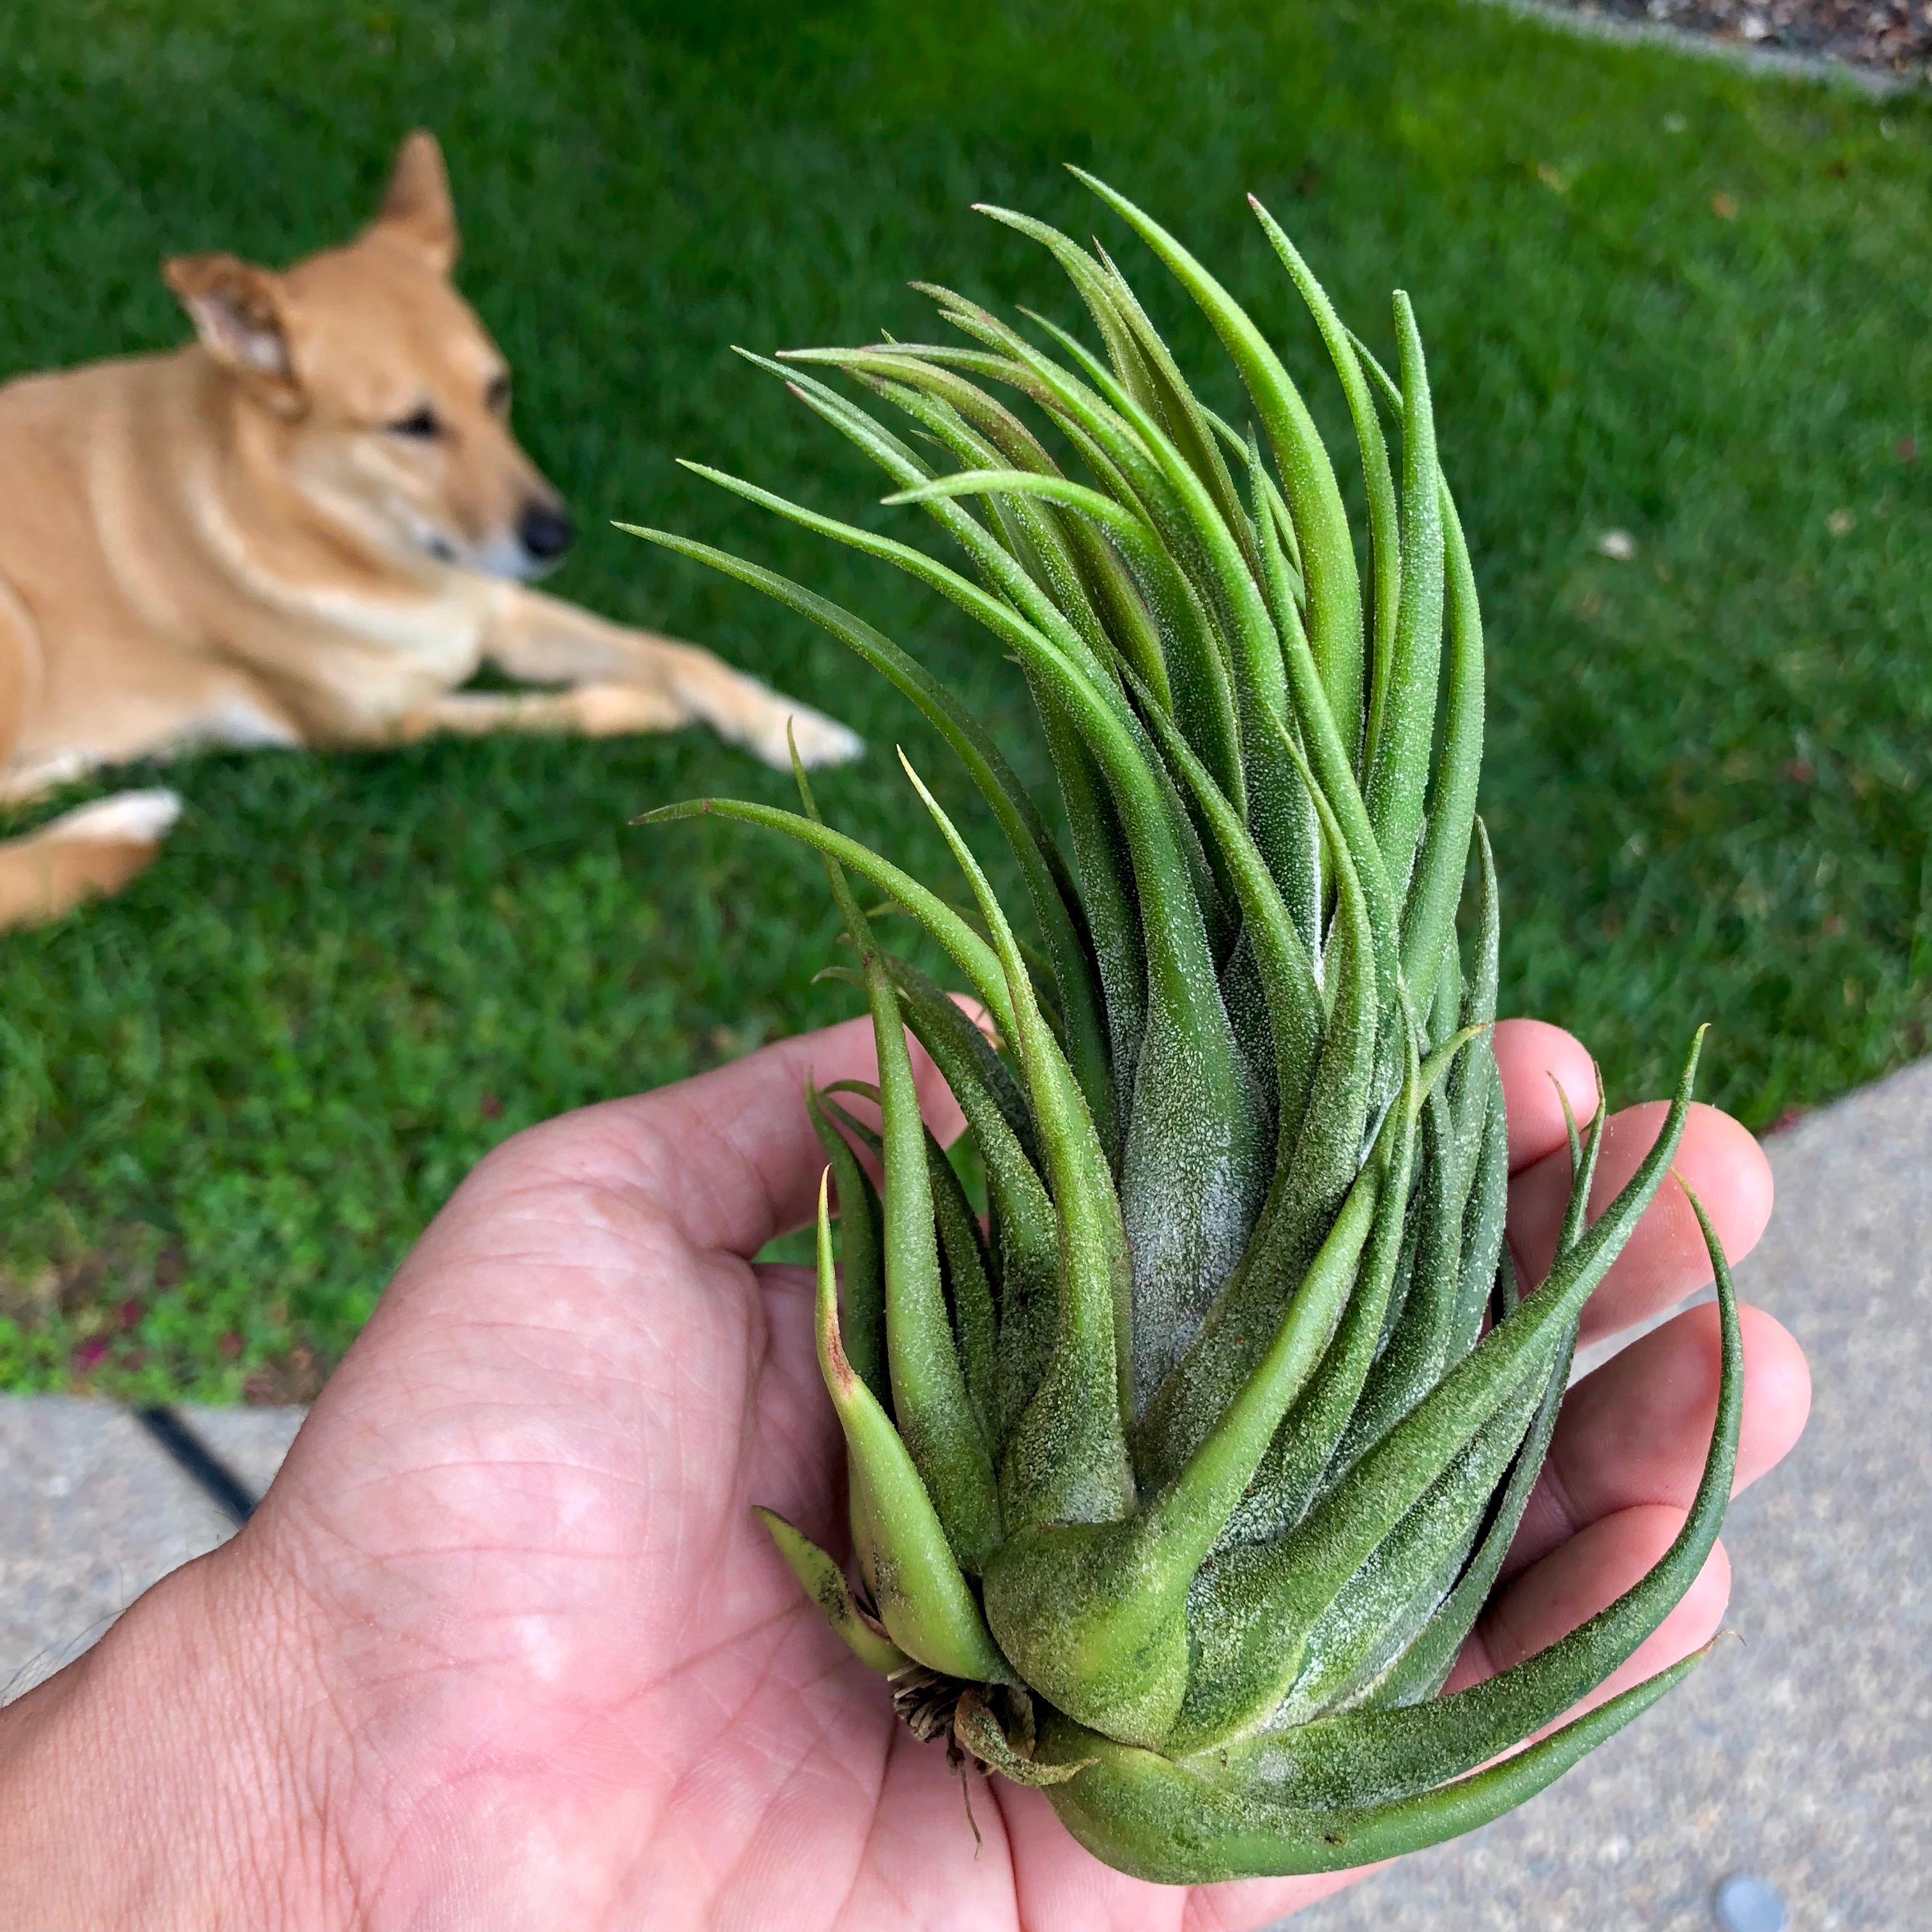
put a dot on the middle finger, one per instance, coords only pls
(1635, 1433)
(1665, 1259)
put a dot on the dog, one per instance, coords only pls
(308, 527)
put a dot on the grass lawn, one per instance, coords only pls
(1659, 297)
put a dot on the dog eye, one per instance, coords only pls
(497, 397)
(420, 422)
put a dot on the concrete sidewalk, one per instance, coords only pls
(92, 1510)
(1803, 1755)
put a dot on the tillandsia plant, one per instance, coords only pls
(1176, 1483)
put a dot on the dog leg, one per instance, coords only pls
(584, 711)
(86, 854)
(547, 641)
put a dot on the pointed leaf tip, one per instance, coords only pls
(831, 1344)
(683, 808)
(824, 1581)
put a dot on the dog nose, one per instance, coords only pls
(544, 531)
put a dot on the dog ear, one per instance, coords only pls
(416, 208)
(239, 312)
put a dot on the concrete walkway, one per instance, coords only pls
(92, 1510)
(1803, 1757)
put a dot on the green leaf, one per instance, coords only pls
(1130, 367)
(1065, 1459)
(1104, 583)
(1583, 1152)
(1024, 1228)
(862, 1258)
(924, 1601)
(1385, 533)
(1232, 438)
(1424, 1667)
(1008, 575)
(1307, 1192)
(825, 1584)
(1281, 812)
(1486, 1212)
(1321, 520)
(1206, 704)
(1429, 916)
(942, 1427)
(937, 1416)
(1404, 728)
(1188, 423)
(971, 1065)
(1296, 1011)
(1148, 1816)
(1417, 1349)
(1394, 1598)
(1287, 1482)
(969, 1291)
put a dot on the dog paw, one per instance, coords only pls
(820, 741)
(85, 853)
(126, 818)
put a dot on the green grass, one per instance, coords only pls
(229, 1099)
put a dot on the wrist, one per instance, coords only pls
(162, 1779)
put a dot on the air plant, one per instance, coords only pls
(1178, 1482)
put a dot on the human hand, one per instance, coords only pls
(504, 1647)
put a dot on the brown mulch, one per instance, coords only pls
(1894, 36)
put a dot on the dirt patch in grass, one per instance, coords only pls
(1893, 36)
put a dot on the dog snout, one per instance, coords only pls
(545, 531)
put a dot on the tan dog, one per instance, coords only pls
(309, 527)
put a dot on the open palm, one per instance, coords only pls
(536, 1664)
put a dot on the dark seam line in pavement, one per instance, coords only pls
(200, 1464)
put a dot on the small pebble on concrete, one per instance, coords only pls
(1744, 1904)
